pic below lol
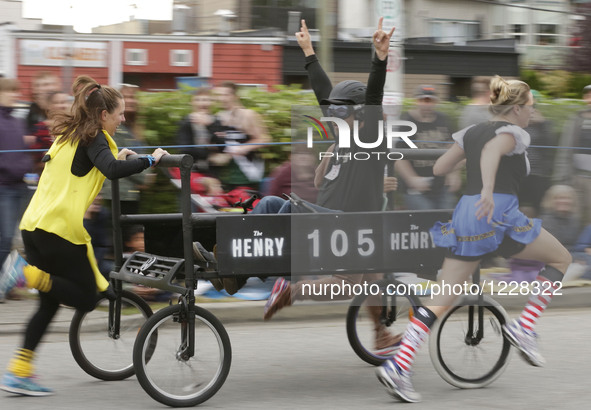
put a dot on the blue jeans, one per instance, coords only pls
(275, 205)
(12, 203)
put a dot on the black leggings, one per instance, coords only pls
(72, 276)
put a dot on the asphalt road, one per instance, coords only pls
(309, 365)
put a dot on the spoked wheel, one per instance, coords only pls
(467, 346)
(172, 376)
(373, 319)
(96, 349)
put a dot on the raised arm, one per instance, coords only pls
(375, 83)
(319, 80)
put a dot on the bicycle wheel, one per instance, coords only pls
(390, 309)
(170, 376)
(100, 354)
(463, 357)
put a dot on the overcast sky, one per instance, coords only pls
(85, 14)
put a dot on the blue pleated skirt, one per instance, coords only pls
(464, 235)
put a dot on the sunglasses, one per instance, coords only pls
(342, 111)
(339, 111)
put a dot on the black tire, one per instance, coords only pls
(470, 364)
(95, 352)
(360, 331)
(170, 379)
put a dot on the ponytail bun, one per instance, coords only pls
(504, 95)
(81, 83)
(500, 90)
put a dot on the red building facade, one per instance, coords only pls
(151, 62)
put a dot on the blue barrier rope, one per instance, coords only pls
(276, 143)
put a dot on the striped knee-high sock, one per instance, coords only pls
(537, 303)
(415, 335)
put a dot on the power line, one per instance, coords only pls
(525, 7)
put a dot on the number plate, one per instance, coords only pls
(329, 243)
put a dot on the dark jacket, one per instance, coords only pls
(13, 165)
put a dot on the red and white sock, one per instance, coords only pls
(537, 303)
(415, 335)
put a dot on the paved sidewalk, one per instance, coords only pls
(15, 314)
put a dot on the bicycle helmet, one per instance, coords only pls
(587, 89)
(347, 92)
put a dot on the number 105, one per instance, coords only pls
(339, 242)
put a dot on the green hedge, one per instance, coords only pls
(557, 83)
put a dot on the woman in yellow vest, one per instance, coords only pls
(61, 261)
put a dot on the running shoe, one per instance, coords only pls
(10, 277)
(524, 340)
(280, 297)
(25, 386)
(397, 382)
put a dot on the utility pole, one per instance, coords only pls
(393, 13)
(325, 22)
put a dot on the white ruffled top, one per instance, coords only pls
(522, 137)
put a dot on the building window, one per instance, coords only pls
(454, 31)
(518, 32)
(136, 56)
(181, 58)
(546, 34)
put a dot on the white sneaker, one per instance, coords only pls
(397, 382)
(525, 341)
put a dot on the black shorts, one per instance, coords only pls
(506, 249)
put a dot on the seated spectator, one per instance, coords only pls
(560, 214)
(582, 252)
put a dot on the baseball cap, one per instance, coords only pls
(426, 91)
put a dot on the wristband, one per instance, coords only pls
(151, 160)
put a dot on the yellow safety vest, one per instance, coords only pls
(62, 198)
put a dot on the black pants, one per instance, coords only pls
(72, 276)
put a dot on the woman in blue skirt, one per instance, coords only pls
(486, 222)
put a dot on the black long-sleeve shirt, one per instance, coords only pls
(359, 183)
(98, 154)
